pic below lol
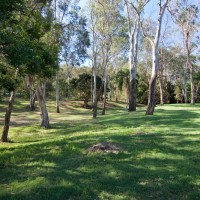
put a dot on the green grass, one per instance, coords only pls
(159, 158)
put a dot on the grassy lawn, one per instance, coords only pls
(159, 157)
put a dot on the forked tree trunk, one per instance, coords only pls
(4, 137)
(152, 84)
(41, 96)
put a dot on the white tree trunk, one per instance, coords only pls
(155, 53)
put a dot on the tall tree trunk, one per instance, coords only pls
(185, 83)
(152, 83)
(104, 96)
(161, 84)
(4, 137)
(132, 95)
(57, 94)
(134, 38)
(41, 96)
(189, 63)
(192, 85)
(161, 92)
(94, 92)
(155, 53)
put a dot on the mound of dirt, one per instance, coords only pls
(104, 147)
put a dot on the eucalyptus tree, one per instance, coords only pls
(134, 11)
(93, 20)
(108, 13)
(185, 14)
(21, 30)
(74, 41)
(154, 41)
(71, 35)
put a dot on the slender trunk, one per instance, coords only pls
(57, 94)
(161, 84)
(161, 92)
(68, 86)
(188, 52)
(192, 85)
(185, 84)
(4, 137)
(41, 96)
(104, 96)
(94, 93)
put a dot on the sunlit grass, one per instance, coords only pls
(159, 156)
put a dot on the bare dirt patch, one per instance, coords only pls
(105, 147)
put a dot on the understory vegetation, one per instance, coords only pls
(158, 157)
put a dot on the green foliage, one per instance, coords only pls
(21, 43)
(82, 87)
(123, 79)
(178, 93)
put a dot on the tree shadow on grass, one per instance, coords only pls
(148, 167)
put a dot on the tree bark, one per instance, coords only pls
(94, 93)
(32, 100)
(68, 86)
(104, 96)
(4, 137)
(189, 63)
(41, 96)
(185, 83)
(134, 38)
(152, 84)
(192, 85)
(161, 84)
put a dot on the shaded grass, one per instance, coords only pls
(159, 156)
